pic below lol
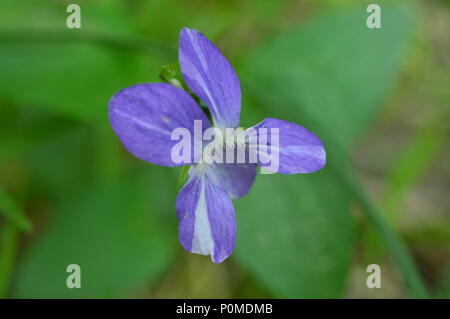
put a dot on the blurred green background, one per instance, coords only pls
(379, 99)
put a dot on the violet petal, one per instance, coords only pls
(211, 77)
(144, 115)
(299, 150)
(236, 179)
(207, 223)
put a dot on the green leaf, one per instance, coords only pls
(330, 76)
(118, 234)
(295, 233)
(12, 211)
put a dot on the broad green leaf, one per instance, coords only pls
(331, 76)
(295, 234)
(121, 235)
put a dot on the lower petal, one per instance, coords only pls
(207, 223)
(236, 179)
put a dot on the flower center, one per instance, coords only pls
(224, 145)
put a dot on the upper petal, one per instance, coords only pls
(211, 77)
(144, 115)
(207, 223)
(289, 149)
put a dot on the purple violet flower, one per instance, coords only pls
(144, 117)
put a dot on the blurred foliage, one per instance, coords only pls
(312, 62)
(107, 230)
(10, 208)
(306, 71)
(295, 232)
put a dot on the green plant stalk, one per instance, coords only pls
(412, 164)
(8, 247)
(12, 212)
(394, 243)
(415, 159)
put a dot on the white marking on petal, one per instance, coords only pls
(199, 77)
(202, 242)
(199, 53)
(142, 123)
